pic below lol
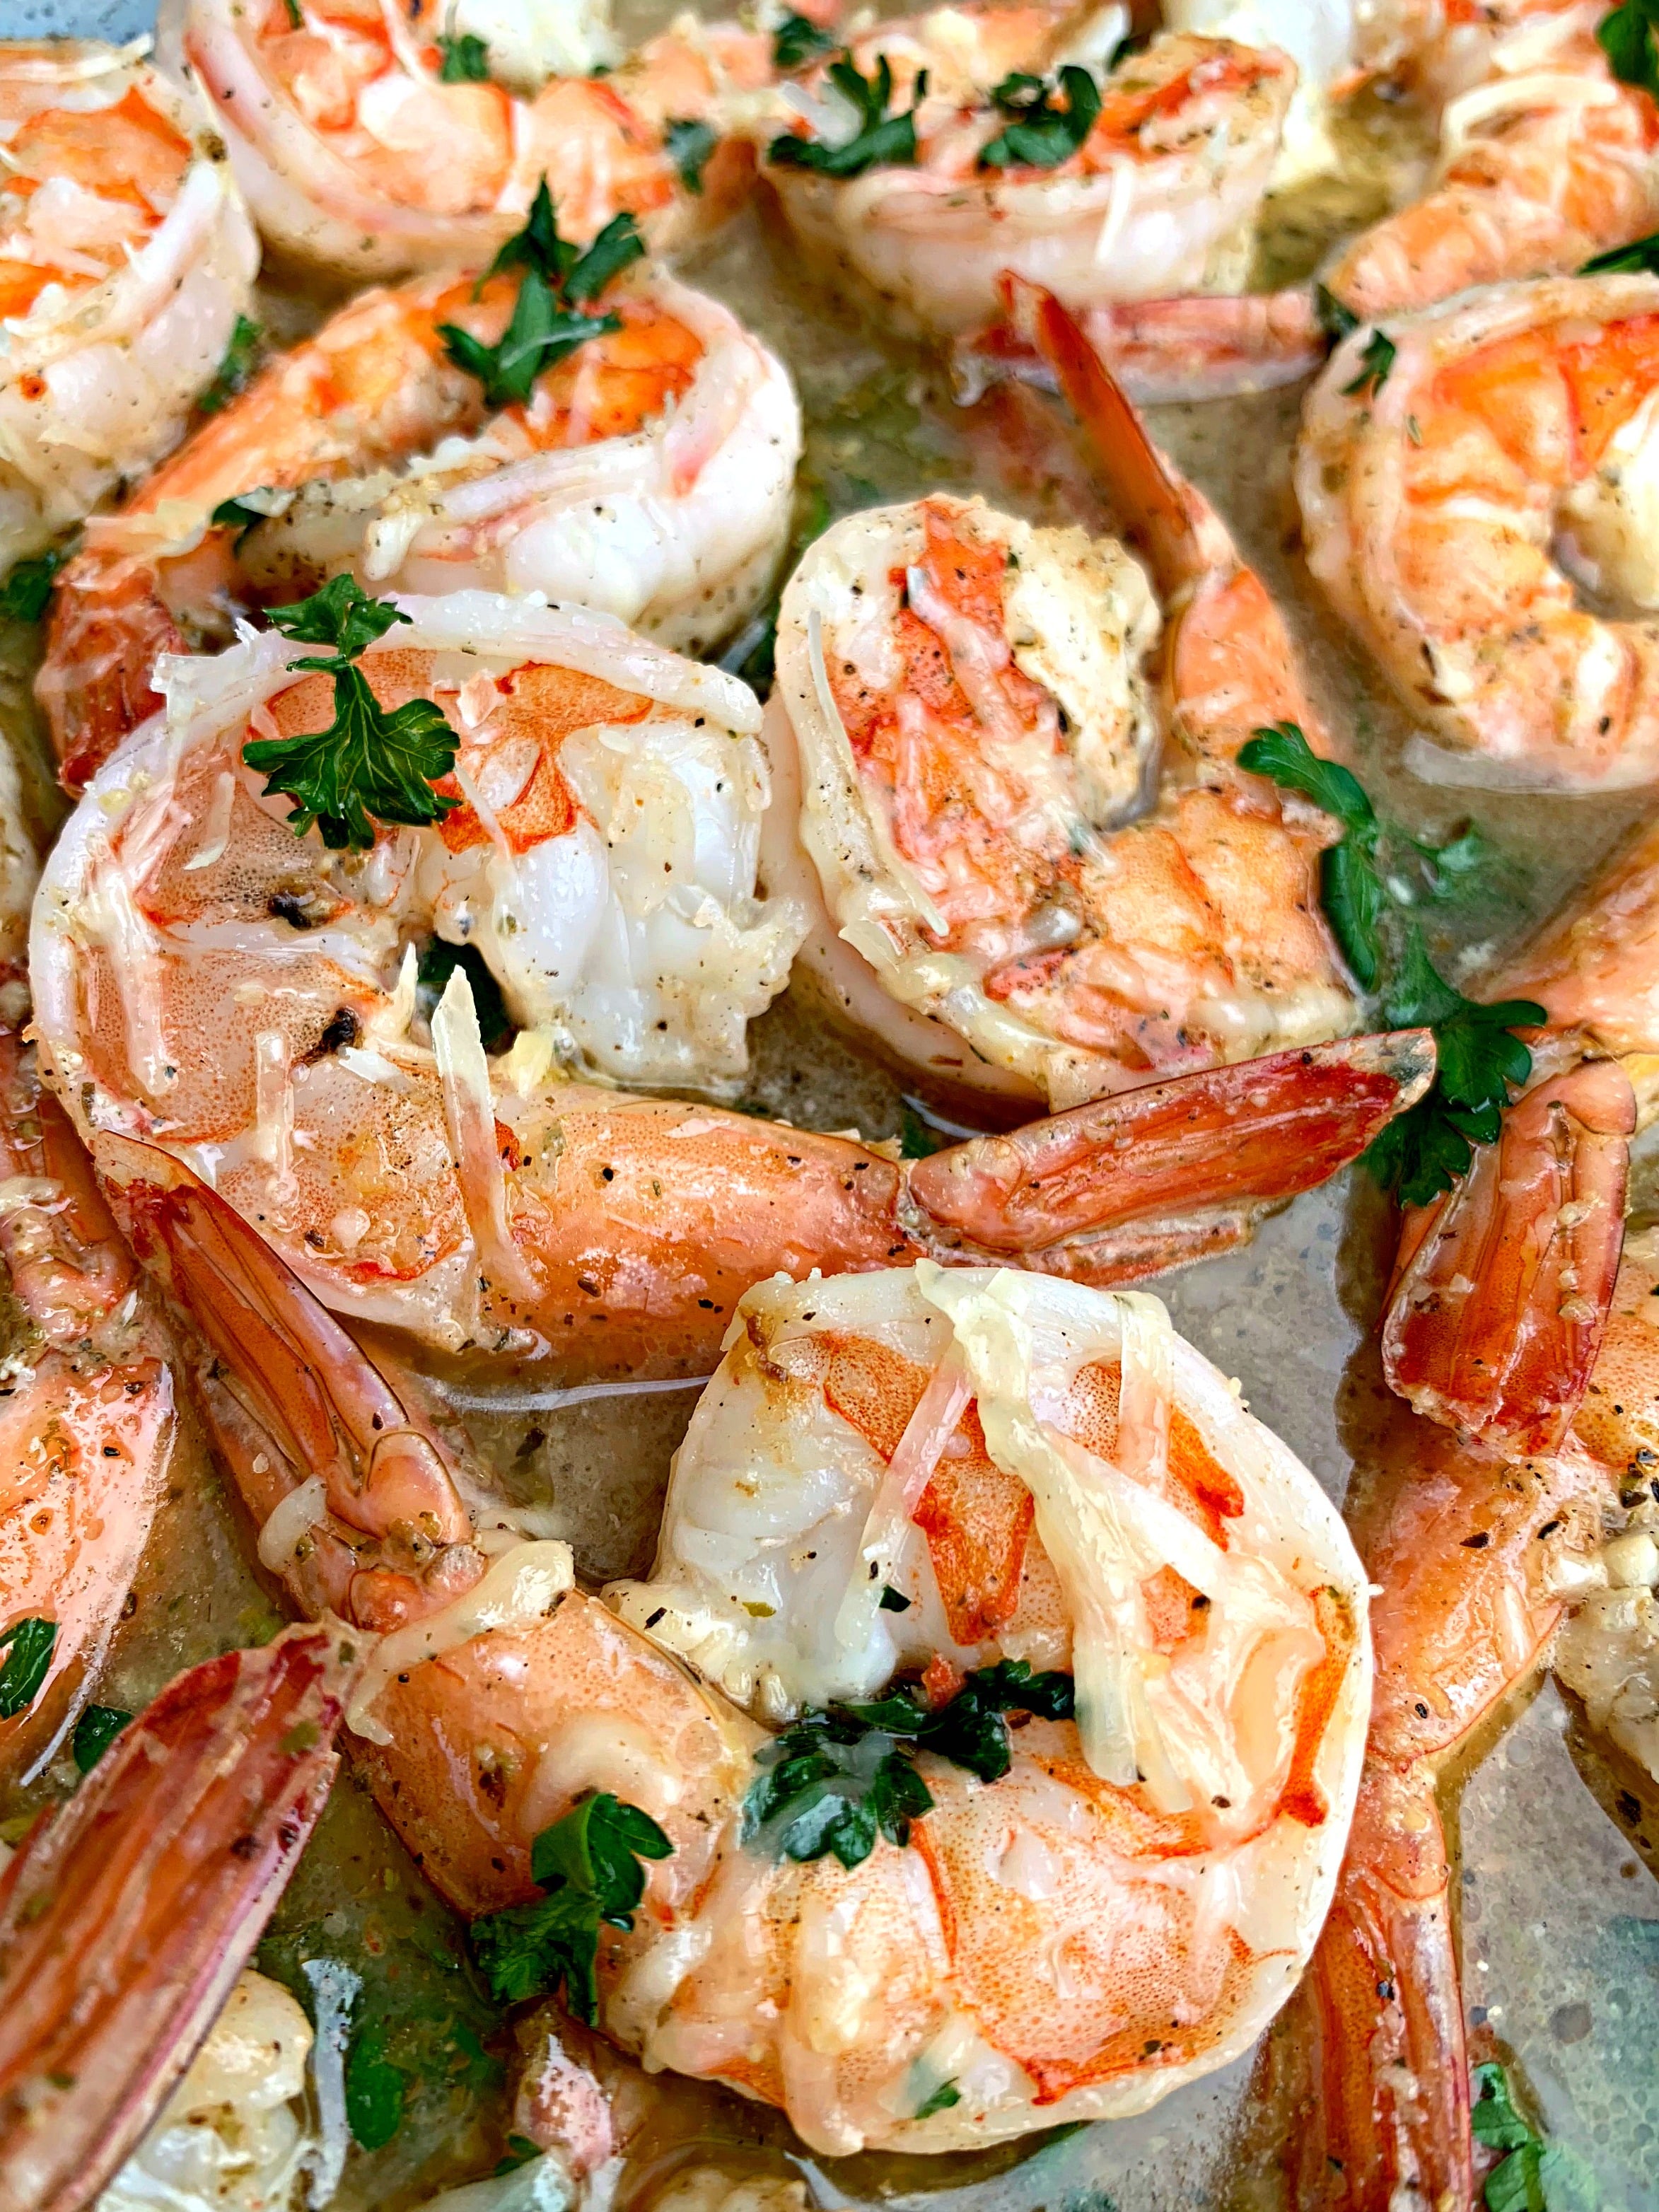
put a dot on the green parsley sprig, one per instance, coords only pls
(882, 141)
(842, 1775)
(589, 1865)
(463, 58)
(688, 144)
(28, 585)
(1639, 259)
(28, 1644)
(1535, 2176)
(558, 280)
(1042, 132)
(235, 371)
(370, 764)
(1422, 1151)
(1376, 361)
(1629, 37)
(797, 41)
(95, 1732)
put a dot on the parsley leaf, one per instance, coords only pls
(688, 145)
(95, 1732)
(943, 2098)
(27, 586)
(374, 2089)
(881, 141)
(234, 373)
(917, 1138)
(545, 326)
(27, 1644)
(1639, 258)
(1336, 319)
(589, 1864)
(1424, 1150)
(1627, 37)
(465, 60)
(1535, 2176)
(893, 1600)
(1376, 359)
(1042, 135)
(797, 39)
(370, 764)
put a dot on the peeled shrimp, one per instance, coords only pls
(649, 474)
(1508, 445)
(968, 711)
(358, 160)
(1161, 197)
(602, 866)
(126, 259)
(1067, 1941)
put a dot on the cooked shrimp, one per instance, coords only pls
(1161, 195)
(126, 259)
(358, 159)
(1450, 482)
(128, 1913)
(1323, 37)
(1546, 160)
(648, 473)
(602, 866)
(1472, 1558)
(967, 712)
(1067, 1942)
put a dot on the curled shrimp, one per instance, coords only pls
(127, 1915)
(648, 473)
(601, 868)
(125, 258)
(968, 711)
(1067, 1942)
(1450, 490)
(359, 158)
(1160, 196)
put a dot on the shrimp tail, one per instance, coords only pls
(1149, 1179)
(1384, 2112)
(128, 1913)
(1502, 1287)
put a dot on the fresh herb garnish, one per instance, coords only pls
(438, 962)
(464, 59)
(231, 378)
(29, 584)
(1335, 319)
(798, 41)
(1627, 37)
(589, 1864)
(374, 2089)
(1376, 359)
(943, 2098)
(545, 325)
(882, 140)
(688, 145)
(1535, 2176)
(1424, 1150)
(293, 15)
(369, 765)
(893, 1600)
(95, 1732)
(1041, 134)
(841, 1775)
(1639, 258)
(27, 1644)
(917, 1139)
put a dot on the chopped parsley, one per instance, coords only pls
(893, 1600)
(917, 1138)
(557, 282)
(234, 373)
(1336, 319)
(1424, 1150)
(1534, 2176)
(1627, 37)
(1640, 258)
(374, 2088)
(1041, 134)
(943, 2098)
(27, 1644)
(1376, 359)
(95, 1732)
(463, 59)
(588, 1864)
(881, 141)
(369, 765)
(841, 1775)
(29, 584)
(798, 41)
(688, 145)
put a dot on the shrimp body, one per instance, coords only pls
(1160, 198)
(1512, 437)
(126, 259)
(968, 711)
(358, 158)
(649, 474)
(1067, 1941)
